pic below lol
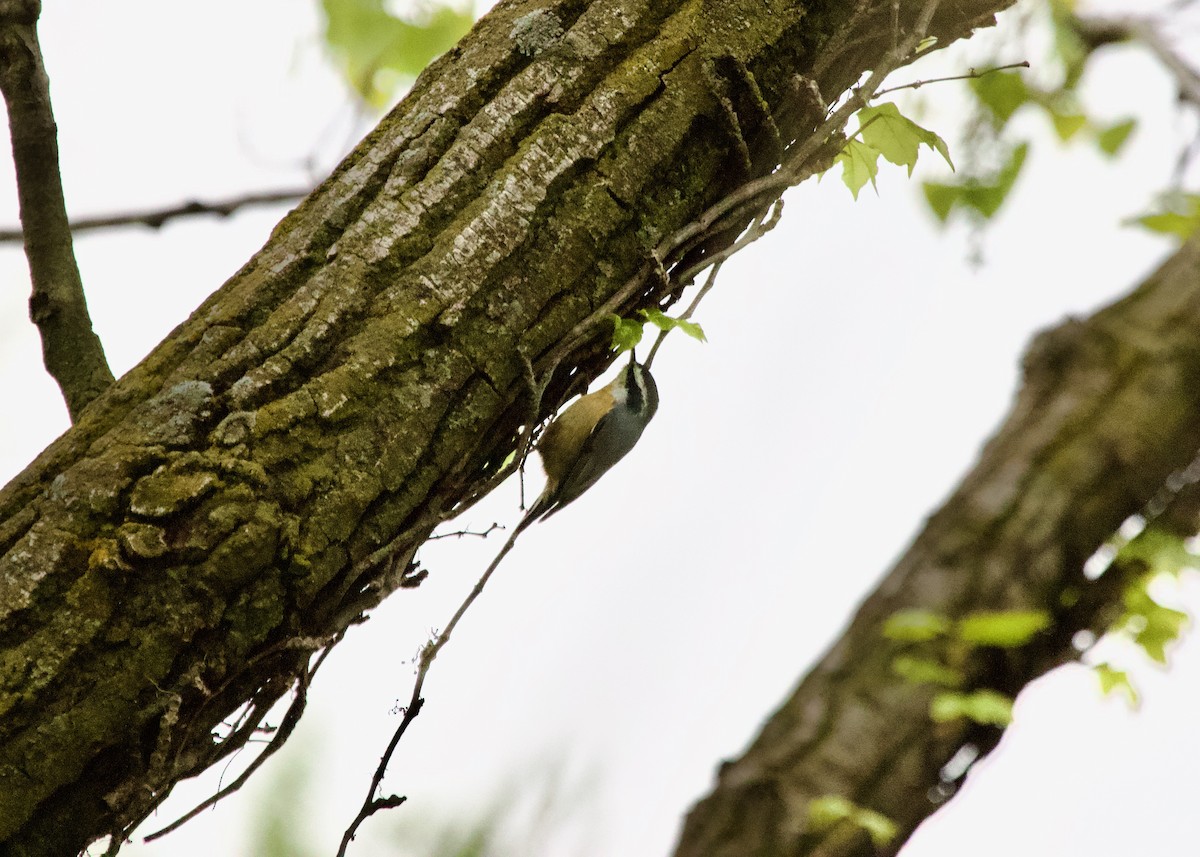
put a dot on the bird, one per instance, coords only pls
(592, 435)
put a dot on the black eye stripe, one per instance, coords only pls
(636, 395)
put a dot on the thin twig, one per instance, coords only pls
(761, 227)
(687, 313)
(71, 350)
(1099, 30)
(458, 534)
(972, 74)
(372, 804)
(156, 218)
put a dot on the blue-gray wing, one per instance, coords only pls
(614, 435)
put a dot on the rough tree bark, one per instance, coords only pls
(1110, 407)
(218, 514)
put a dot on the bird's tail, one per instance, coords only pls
(542, 506)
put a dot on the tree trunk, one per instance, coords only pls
(1109, 409)
(265, 475)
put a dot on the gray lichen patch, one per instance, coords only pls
(174, 416)
(536, 32)
(27, 563)
(97, 483)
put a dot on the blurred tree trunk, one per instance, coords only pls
(173, 561)
(1110, 407)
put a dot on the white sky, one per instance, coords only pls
(856, 363)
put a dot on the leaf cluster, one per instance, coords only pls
(378, 52)
(628, 332)
(883, 131)
(828, 811)
(937, 648)
(1000, 95)
(1153, 552)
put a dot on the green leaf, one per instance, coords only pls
(986, 199)
(828, 810)
(692, 329)
(1160, 550)
(1004, 628)
(1067, 125)
(925, 671)
(1069, 47)
(983, 197)
(988, 707)
(1180, 216)
(1153, 625)
(860, 164)
(627, 333)
(377, 51)
(879, 827)
(1171, 223)
(1113, 138)
(657, 318)
(1002, 93)
(942, 198)
(1163, 626)
(1115, 681)
(897, 137)
(915, 626)
(665, 322)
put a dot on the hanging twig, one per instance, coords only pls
(291, 719)
(373, 804)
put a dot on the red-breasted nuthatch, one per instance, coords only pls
(591, 436)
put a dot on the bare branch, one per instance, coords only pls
(71, 350)
(1186, 77)
(972, 74)
(458, 534)
(156, 218)
(1100, 31)
(372, 804)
